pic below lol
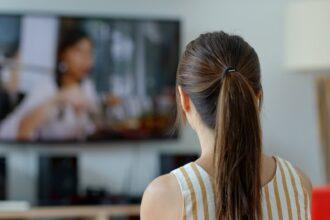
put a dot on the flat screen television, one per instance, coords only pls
(80, 79)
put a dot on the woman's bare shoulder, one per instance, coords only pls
(162, 199)
(306, 182)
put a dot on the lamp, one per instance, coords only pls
(307, 39)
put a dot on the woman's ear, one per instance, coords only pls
(184, 100)
(259, 94)
(259, 97)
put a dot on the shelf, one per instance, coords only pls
(81, 212)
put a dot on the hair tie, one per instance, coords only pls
(229, 69)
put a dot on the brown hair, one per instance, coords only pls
(221, 75)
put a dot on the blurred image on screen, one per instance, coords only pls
(86, 79)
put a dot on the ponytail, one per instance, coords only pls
(237, 149)
(226, 100)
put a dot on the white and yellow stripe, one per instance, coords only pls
(284, 197)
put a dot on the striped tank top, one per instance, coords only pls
(284, 197)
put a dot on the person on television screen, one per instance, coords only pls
(63, 107)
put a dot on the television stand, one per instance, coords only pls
(99, 212)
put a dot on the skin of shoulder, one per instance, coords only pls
(306, 182)
(162, 200)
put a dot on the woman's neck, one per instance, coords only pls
(206, 139)
(68, 80)
(206, 160)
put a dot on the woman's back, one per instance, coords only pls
(284, 197)
(220, 94)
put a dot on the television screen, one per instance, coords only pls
(67, 78)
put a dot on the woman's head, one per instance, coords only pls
(75, 54)
(219, 78)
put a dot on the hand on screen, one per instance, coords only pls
(75, 97)
(112, 100)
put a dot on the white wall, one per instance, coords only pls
(290, 114)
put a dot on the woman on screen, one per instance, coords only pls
(219, 94)
(61, 108)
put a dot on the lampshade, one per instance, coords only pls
(307, 37)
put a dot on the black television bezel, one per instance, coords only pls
(175, 134)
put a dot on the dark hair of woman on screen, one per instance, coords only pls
(219, 93)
